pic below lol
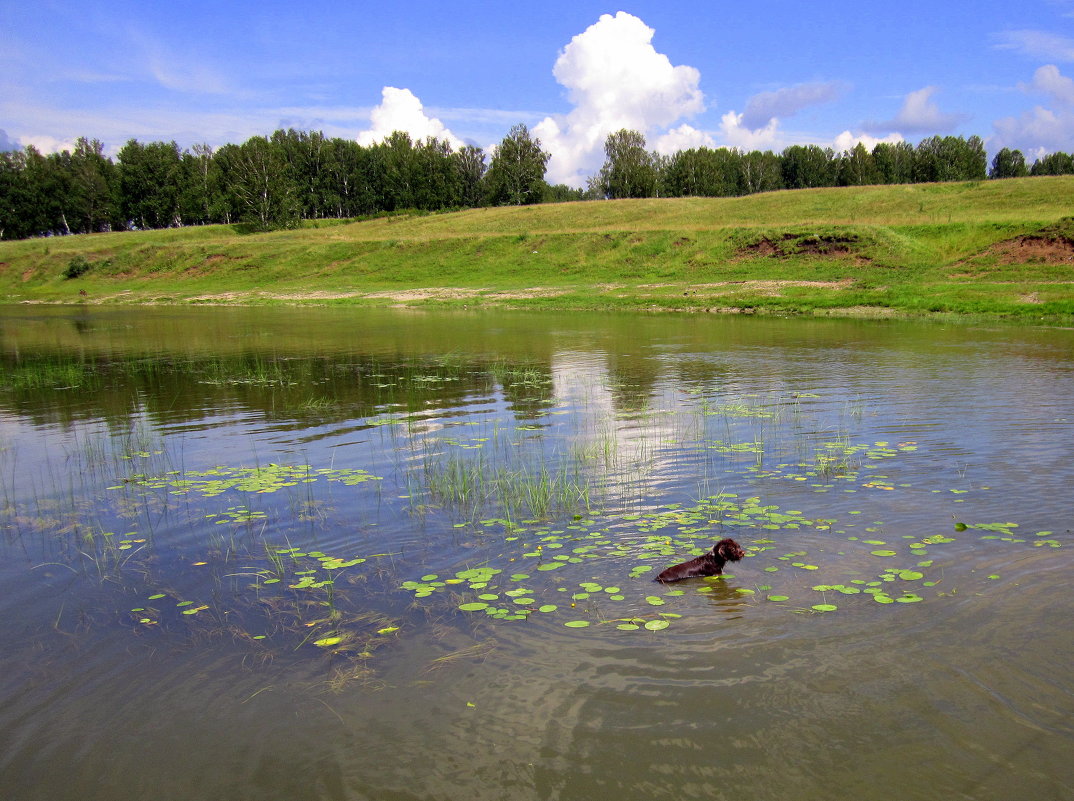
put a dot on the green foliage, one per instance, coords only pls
(79, 265)
(629, 170)
(291, 176)
(1009, 164)
(516, 175)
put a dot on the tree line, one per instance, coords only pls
(631, 171)
(290, 176)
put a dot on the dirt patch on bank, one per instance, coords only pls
(1035, 249)
(787, 245)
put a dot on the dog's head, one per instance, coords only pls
(728, 550)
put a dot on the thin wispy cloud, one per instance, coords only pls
(1039, 44)
(786, 102)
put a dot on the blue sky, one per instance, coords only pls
(764, 74)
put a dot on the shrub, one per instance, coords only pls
(77, 266)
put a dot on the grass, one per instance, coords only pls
(912, 249)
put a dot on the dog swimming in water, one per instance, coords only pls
(709, 563)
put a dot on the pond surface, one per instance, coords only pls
(352, 554)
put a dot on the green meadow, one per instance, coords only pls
(1002, 248)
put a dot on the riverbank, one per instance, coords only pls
(995, 248)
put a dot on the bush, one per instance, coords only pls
(77, 266)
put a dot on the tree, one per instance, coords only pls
(263, 186)
(436, 180)
(894, 162)
(516, 174)
(196, 196)
(1058, 163)
(151, 179)
(1008, 164)
(858, 167)
(950, 158)
(761, 172)
(629, 171)
(93, 189)
(702, 172)
(808, 166)
(470, 167)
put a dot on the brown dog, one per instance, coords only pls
(708, 564)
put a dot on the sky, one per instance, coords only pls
(760, 75)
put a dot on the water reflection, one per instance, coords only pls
(191, 498)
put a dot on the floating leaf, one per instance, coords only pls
(825, 607)
(657, 625)
(576, 624)
(778, 598)
(473, 606)
(325, 642)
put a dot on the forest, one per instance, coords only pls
(281, 180)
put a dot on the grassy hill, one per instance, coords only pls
(990, 247)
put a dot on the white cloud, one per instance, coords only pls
(685, 137)
(1040, 130)
(919, 114)
(735, 134)
(47, 144)
(1035, 132)
(1038, 44)
(616, 79)
(1048, 80)
(400, 110)
(763, 107)
(847, 141)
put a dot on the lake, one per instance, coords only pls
(317, 553)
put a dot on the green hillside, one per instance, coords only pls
(1001, 247)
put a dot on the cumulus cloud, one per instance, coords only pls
(762, 108)
(919, 114)
(847, 141)
(1048, 80)
(1038, 44)
(615, 79)
(1035, 132)
(1040, 130)
(685, 137)
(44, 143)
(400, 110)
(736, 134)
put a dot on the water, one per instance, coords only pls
(192, 498)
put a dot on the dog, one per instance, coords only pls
(709, 563)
